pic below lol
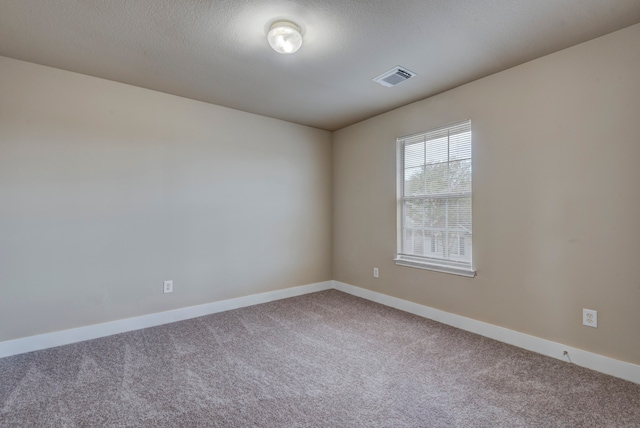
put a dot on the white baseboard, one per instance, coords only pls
(65, 337)
(607, 365)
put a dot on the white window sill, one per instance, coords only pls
(428, 265)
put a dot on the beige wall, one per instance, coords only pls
(556, 205)
(106, 190)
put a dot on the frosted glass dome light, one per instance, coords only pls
(285, 37)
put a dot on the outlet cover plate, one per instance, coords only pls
(376, 272)
(590, 318)
(168, 287)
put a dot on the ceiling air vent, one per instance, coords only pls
(394, 76)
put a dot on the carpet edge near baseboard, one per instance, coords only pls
(590, 360)
(597, 362)
(95, 331)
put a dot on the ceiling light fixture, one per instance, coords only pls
(285, 37)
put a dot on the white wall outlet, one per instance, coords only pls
(376, 272)
(168, 287)
(590, 318)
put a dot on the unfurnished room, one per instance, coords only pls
(319, 213)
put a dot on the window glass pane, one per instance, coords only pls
(414, 183)
(437, 178)
(460, 146)
(413, 155)
(413, 214)
(459, 215)
(435, 213)
(437, 150)
(407, 242)
(460, 176)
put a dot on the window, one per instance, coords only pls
(434, 200)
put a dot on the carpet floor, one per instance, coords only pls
(326, 359)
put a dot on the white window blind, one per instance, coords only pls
(434, 204)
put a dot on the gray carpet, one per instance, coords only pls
(322, 360)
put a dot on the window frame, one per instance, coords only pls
(425, 262)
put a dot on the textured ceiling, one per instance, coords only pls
(216, 50)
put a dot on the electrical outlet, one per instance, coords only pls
(590, 318)
(168, 287)
(376, 272)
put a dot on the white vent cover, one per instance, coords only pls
(394, 76)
